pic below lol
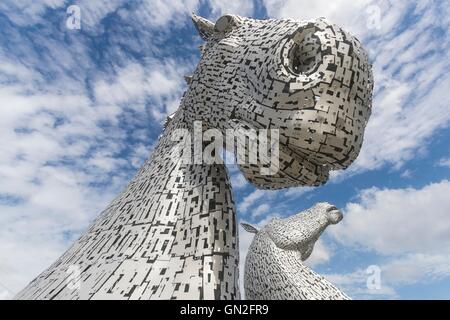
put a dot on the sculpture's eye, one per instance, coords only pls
(225, 23)
(305, 53)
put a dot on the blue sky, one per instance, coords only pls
(81, 109)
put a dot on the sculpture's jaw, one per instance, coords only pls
(287, 169)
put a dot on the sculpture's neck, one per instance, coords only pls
(171, 234)
(193, 219)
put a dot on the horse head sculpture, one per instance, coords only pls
(310, 80)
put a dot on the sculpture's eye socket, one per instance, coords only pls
(305, 53)
(225, 23)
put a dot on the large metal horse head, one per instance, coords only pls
(310, 80)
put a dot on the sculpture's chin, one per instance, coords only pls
(292, 170)
(334, 152)
(289, 168)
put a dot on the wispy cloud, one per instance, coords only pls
(239, 7)
(407, 228)
(394, 221)
(74, 127)
(444, 162)
(250, 199)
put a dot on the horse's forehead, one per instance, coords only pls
(263, 30)
(305, 220)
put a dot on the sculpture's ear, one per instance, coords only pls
(249, 228)
(223, 25)
(204, 27)
(226, 23)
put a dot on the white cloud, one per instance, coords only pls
(250, 199)
(260, 210)
(5, 294)
(398, 220)
(407, 174)
(321, 254)
(444, 162)
(160, 13)
(406, 128)
(347, 13)
(239, 7)
(158, 81)
(92, 12)
(354, 284)
(263, 200)
(409, 230)
(403, 270)
(66, 151)
(25, 12)
(147, 13)
(298, 192)
(238, 181)
(417, 268)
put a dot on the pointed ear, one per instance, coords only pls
(204, 27)
(226, 23)
(249, 228)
